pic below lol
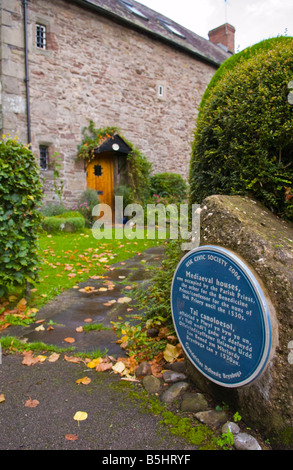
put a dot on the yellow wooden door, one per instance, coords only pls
(100, 178)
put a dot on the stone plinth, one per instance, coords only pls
(266, 244)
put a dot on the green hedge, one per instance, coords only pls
(59, 224)
(168, 185)
(69, 215)
(20, 197)
(243, 143)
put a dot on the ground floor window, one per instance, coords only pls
(41, 40)
(44, 157)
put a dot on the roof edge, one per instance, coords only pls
(107, 13)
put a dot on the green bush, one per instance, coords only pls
(243, 143)
(69, 215)
(59, 224)
(20, 197)
(52, 209)
(126, 192)
(170, 186)
(88, 200)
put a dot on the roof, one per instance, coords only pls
(147, 21)
(114, 143)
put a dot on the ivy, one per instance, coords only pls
(138, 167)
(20, 197)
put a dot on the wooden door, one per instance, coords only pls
(100, 178)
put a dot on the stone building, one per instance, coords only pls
(115, 62)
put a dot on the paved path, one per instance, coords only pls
(115, 420)
(69, 310)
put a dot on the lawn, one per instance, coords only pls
(68, 259)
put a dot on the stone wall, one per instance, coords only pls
(97, 69)
(266, 244)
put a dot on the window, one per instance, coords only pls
(130, 7)
(160, 91)
(170, 28)
(41, 36)
(44, 157)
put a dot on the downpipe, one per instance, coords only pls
(26, 80)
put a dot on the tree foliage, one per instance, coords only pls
(20, 197)
(243, 143)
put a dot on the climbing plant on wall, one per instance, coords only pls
(138, 167)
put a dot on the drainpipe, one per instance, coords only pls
(26, 80)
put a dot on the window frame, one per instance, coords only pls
(41, 36)
(44, 147)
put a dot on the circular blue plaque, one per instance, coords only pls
(221, 316)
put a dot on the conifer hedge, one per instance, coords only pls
(20, 197)
(243, 142)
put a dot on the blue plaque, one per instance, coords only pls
(221, 316)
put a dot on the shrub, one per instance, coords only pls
(168, 185)
(69, 215)
(89, 199)
(52, 209)
(59, 224)
(243, 143)
(126, 192)
(20, 196)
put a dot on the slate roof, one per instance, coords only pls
(153, 25)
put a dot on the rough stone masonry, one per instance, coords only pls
(265, 243)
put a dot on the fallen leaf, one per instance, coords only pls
(54, 357)
(88, 289)
(103, 289)
(71, 437)
(124, 300)
(80, 416)
(84, 381)
(73, 359)
(88, 320)
(170, 353)
(29, 359)
(104, 366)
(79, 329)
(69, 340)
(118, 367)
(40, 328)
(33, 310)
(2, 397)
(22, 304)
(41, 358)
(92, 364)
(31, 403)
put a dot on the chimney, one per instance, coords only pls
(223, 36)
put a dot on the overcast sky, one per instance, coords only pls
(254, 20)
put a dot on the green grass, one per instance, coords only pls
(68, 259)
(13, 345)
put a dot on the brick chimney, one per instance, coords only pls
(224, 36)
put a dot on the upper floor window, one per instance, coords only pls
(41, 42)
(171, 28)
(130, 7)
